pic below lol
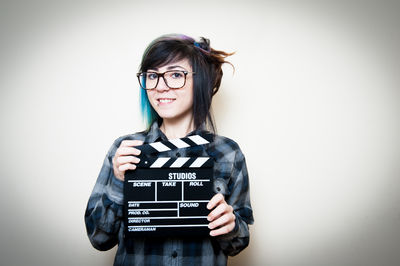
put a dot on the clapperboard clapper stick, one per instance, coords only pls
(167, 196)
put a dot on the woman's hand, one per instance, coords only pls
(125, 158)
(222, 219)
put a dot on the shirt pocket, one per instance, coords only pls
(222, 177)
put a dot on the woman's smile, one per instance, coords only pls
(165, 101)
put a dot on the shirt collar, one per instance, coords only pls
(155, 134)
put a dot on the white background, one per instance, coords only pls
(314, 103)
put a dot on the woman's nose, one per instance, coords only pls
(162, 86)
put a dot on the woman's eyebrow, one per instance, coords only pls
(173, 67)
(155, 69)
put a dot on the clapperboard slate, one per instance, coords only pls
(167, 196)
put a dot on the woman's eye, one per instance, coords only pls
(152, 76)
(176, 75)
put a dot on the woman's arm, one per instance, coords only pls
(231, 215)
(104, 211)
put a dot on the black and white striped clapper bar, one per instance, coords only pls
(167, 196)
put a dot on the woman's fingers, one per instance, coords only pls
(126, 147)
(125, 157)
(215, 201)
(221, 221)
(222, 218)
(121, 151)
(219, 211)
(223, 230)
(125, 167)
(131, 143)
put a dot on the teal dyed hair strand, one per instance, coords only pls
(148, 113)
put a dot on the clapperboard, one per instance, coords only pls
(167, 196)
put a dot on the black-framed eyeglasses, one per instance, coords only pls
(174, 79)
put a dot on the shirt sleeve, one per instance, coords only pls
(104, 210)
(239, 198)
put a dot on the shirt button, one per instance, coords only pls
(174, 254)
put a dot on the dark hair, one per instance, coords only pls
(206, 62)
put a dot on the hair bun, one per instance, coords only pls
(204, 44)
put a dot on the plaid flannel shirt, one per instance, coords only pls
(104, 213)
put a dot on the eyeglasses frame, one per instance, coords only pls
(162, 75)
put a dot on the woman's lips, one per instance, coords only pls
(165, 100)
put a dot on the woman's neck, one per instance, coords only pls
(177, 128)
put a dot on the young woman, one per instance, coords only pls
(178, 78)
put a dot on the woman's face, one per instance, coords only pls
(173, 104)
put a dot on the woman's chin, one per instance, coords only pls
(174, 116)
